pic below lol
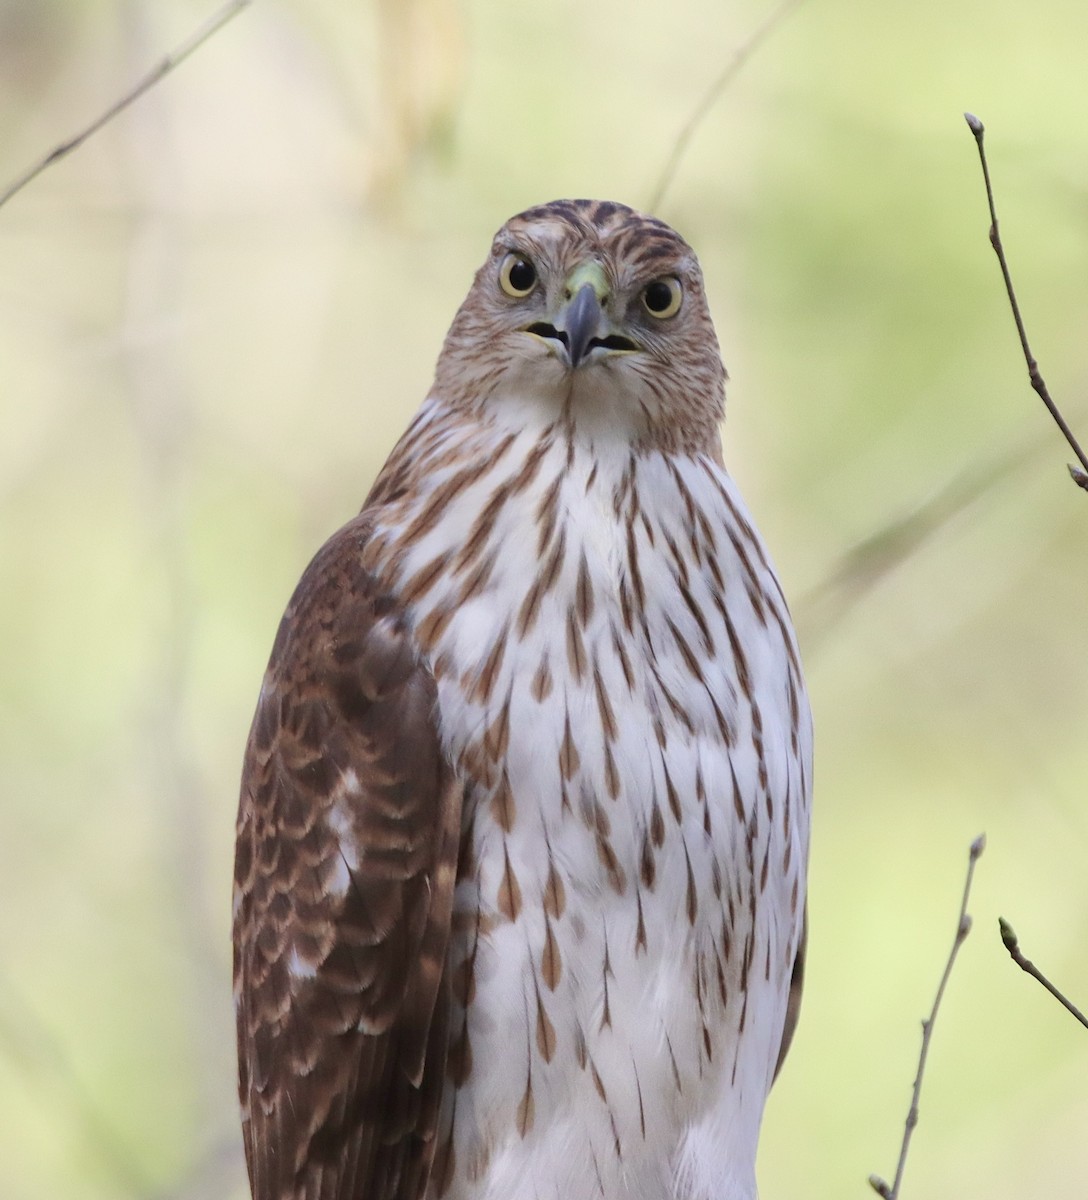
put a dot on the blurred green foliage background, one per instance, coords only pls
(217, 316)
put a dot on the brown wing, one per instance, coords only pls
(346, 857)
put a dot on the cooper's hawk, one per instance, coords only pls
(520, 880)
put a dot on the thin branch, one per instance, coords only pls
(1080, 477)
(163, 68)
(1008, 937)
(740, 56)
(963, 928)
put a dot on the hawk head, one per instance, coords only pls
(591, 313)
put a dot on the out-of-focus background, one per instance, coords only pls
(217, 316)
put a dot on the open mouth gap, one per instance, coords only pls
(614, 341)
(543, 329)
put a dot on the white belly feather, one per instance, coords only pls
(640, 757)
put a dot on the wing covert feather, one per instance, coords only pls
(346, 859)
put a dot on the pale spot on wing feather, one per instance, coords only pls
(298, 967)
(373, 1028)
(342, 823)
(339, 879)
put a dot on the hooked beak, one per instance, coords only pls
(581, 321)
(581, 324)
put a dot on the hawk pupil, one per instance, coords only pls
(522, 275)
(658, 296)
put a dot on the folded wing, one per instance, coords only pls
(346, 860)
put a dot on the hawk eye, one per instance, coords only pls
(662, 298)
(517, 276)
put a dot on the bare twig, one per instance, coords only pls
(963, 928)
(1080, 477)
(1008, 937)
(163, 68)
(740, 56)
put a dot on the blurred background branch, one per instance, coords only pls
(822, 609)
(713, 95)
(145, 84)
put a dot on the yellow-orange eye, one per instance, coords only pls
(517, 276)
(662, 298)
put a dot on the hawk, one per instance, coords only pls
(519, 909)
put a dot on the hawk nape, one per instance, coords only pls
(522, 842)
